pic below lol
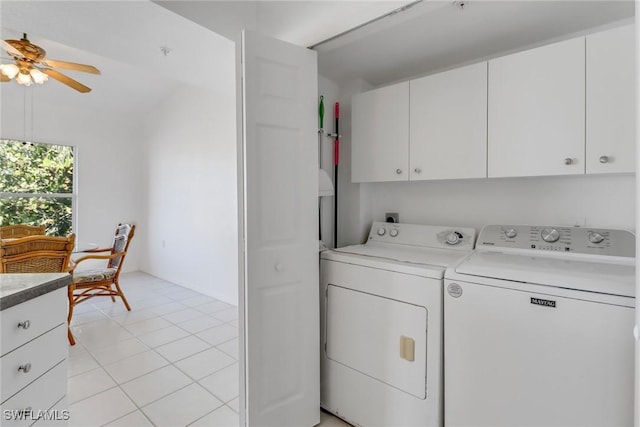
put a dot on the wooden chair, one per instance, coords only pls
(21, 230)
(103, 281)
(36, 254)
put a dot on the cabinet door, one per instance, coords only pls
(448, 124)
(611, 106)
(380, 134)
(536, 111)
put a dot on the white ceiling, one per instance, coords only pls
(123, 39)
(431, 35)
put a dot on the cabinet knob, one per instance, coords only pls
(604, 159)
(398, 171)
(25, 368)
(568, 161)
(24, 325)
(417, 170)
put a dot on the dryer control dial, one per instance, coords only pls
(381, 231)
(393, 232)
(595, 237)
(454, 238)
(510, 233)
(550, 235)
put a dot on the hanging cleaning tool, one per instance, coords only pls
(336, 162)
(320, 132)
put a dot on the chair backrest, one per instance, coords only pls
(21, 230)
(36, 254)
(121, 241)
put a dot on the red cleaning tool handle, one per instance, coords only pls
(337, 110)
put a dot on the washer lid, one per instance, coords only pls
(420, 261)
(569, 273)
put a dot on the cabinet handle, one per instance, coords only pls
(417, 170)
(25, 368)
(568, 161)
(24, 325)
(398, 171)
(604, 159)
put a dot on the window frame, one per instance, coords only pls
(74, 193)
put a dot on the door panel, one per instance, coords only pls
(279, 308)
(367, 333)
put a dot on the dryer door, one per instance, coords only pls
(380, 337)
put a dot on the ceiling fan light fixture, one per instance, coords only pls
(38, 76)
(9, 70)
(24, 78)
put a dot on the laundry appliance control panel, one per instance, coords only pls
(423, 235)
(580, 240)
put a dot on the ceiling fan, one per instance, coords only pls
(30, 66)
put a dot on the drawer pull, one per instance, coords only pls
(24, 325)
(25, 368)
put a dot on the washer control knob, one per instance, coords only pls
(510, 233)
(550, 235)
(453, 238)
(393, 232)
(381, 231)
(595, 237)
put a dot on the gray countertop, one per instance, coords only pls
(20, 287)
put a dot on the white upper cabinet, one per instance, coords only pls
(380, 134)
(611, 106)
(448, 124)
(537, 111)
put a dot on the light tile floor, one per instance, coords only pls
(171, 361)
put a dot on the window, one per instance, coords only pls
(37, 185)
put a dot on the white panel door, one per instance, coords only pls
(536, 111)
(448, 124)
(611, 104)
(279, 300)
(380, 134)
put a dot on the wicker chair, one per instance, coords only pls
(21, 230)
(36, 254)
(101, 281)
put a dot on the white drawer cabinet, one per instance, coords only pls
(380, 134)
(33, 367)
(38, 397)
(611, 104)
(448, 124)
(536, 118)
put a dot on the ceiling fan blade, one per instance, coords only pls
(71, 66)
(10, 49)
(4, 78)
(67, 80)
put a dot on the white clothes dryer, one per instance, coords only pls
(539, 329)
(381, 325)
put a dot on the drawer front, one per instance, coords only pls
(39, 396)
(27, 363)
(42, 314)
(59, 415)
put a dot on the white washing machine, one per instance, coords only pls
(539, 329)
(381, 327)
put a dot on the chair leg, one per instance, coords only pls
(124, 300)
(72, 341)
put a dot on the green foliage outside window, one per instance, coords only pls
(36, 185)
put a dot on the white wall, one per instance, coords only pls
(108, 152)
(605, 201)
(349, 207)
(190, 194)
